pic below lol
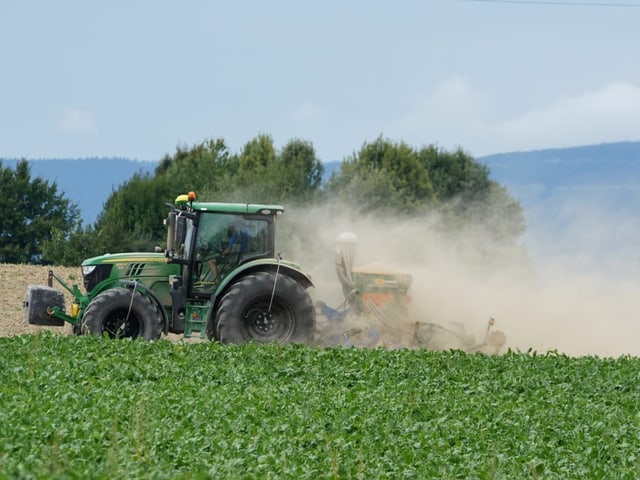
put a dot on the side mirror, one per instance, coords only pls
(171, 231)
(181, 230)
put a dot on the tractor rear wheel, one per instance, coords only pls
(265, 307)
(123, 313)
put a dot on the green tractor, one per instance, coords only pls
(219, 277)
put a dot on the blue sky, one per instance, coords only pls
(136, 79)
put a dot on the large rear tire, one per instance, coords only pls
(123, 313)
(252, 311)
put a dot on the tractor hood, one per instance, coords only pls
(107, 270)
(110, 258)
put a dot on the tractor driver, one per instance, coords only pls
(238, 239)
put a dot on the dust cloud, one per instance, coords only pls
(575, 291)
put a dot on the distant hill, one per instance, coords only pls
(606, 176)
(581, 203)
(88, 181)
(607, 163)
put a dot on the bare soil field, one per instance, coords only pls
(14, 280)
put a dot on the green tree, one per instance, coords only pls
(467, 196)
(251, 173)
(299, 171)
(393, 177)
(203, 168)
(257, 155)
(132, 219)
(384, 176)
(71, 248)
(502, 215)
(454, 174)
(32, 209)
(262, 174)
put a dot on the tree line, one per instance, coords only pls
(40, 225)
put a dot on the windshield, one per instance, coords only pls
(224, 241)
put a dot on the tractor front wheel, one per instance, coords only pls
(263, 308)
(123, 313)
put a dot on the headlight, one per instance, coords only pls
(87, 269)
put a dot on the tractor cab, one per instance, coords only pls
(211, 239)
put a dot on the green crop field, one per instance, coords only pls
(86, 407)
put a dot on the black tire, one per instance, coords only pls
(123, 313)
(244, 316)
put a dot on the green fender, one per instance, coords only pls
(263, 265)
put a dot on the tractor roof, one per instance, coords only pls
(218, 207)
(251, 208)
